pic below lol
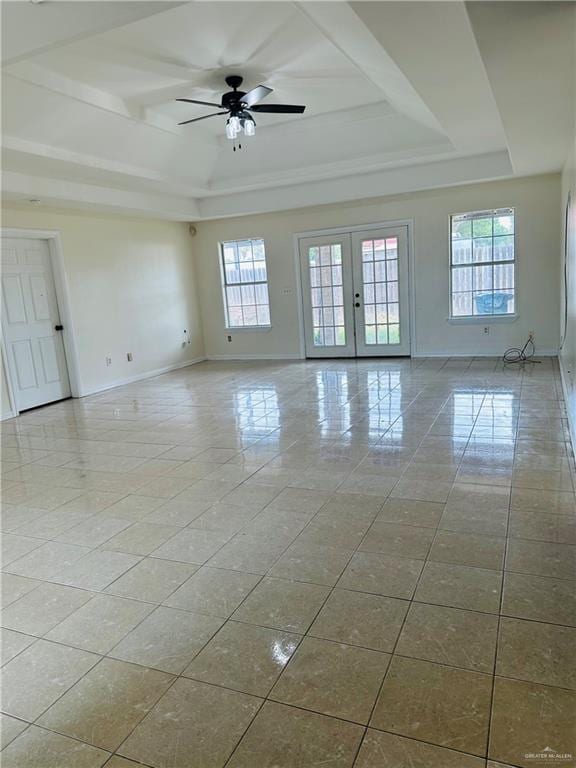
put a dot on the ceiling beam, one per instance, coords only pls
(73, 89)
(58, 192)
(335, 170)
(434, 46)
(18, 187)
(348, 32)
(34, 74)
(529, 51)
(393, 181)
(35, 28)
(14, 148)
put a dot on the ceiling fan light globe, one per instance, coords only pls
(230, 130)
(249, 128)
(235, 123)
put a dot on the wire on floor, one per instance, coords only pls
(521, 356)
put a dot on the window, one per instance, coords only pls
(245, 284)
(482, 263)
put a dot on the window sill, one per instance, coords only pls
(482, 320)
(250, 329)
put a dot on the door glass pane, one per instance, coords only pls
(380, 290)
(327, 295)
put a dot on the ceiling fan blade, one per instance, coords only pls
(205, 103)
(256, 94)
(287, 109)
(195, 119)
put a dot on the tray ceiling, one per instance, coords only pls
(436, 88)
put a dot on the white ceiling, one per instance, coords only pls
(399, 95)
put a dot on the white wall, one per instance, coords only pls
(133, 288)
(568, 253)
(536, 200)
(568, 353)
(135, 284)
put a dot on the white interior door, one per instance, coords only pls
(34, 346)
(381, 291)
(326, 271)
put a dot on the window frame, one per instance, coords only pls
(482, 318)
(224, 284)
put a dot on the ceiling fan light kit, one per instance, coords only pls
(235, 125)
(238, 105)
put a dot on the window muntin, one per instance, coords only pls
(482, 264)
(245, 284)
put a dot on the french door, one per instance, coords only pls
(355, 293)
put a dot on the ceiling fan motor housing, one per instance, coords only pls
(233, 100)
(234, 81)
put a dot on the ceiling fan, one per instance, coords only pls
(238, 105)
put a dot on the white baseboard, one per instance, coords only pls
(547, 352)
(240, 358)
(141, 376)
(550, 352)
(497, 353)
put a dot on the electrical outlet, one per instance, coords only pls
(129, 357)
(531, 335)
(108, 362)
(486, 329)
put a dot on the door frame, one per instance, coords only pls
(297, 236)
(64, 307)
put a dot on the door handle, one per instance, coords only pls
(58, 327)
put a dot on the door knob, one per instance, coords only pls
(58, 327)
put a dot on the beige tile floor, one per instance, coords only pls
(294, 565)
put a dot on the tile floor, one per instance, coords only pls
(325, 564)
